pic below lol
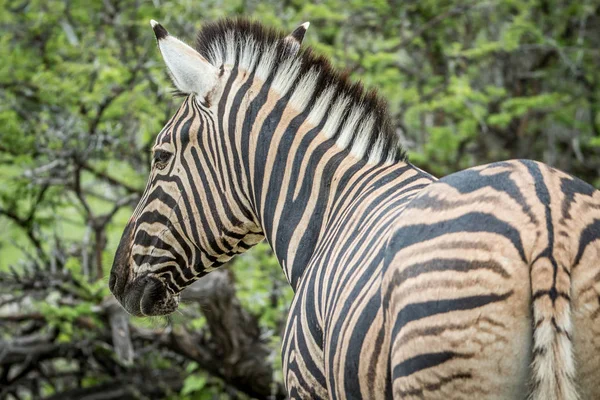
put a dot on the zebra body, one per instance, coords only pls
(483, 283)
(450, 280)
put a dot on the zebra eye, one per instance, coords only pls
(161, 158)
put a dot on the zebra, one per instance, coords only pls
(484, 283)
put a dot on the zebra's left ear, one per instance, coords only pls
(191, 72)
(296, 37)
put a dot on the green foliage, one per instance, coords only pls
(63, 318)
(194, 383)
(263, 290)
(199, 386)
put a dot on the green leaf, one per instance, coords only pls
(192, 384)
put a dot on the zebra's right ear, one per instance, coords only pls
(191, 72)
(296, 37)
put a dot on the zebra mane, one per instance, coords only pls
(356, 119)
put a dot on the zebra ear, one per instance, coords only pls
(296, 37)
(191, 72)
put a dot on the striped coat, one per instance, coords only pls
(484, 283)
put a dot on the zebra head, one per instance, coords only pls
(191, 217)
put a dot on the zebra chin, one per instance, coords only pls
(147, 296)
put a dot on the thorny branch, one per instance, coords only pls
(105, 344)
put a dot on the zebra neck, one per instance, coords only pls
(302, 186)
(291, 169)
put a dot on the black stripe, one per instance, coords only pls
(143, 238)
(471, 222)
(421, 362)
(368, 312)
(543, 195)
(470, 180)
(448, 264)
(590, 234)
(431, 387)
(416, 311)
(570, 187)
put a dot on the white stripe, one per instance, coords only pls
(336, 113)
(266, 63)
(249, 54)
(363, 137)
(305, 89)
(286, 75)
(350, 126)
(318, 111)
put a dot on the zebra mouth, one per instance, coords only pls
(148, 296)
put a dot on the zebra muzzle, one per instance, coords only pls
(147, 296)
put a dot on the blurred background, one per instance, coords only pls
(83, 93)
